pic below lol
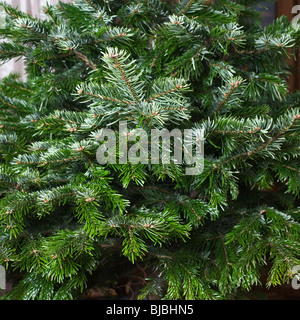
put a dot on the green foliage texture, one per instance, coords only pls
(68, 223)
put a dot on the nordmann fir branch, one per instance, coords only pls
(233, 86)
(263, 146)
(115, 56)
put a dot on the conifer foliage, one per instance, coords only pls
(68, 223)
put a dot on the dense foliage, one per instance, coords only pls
(68, 223)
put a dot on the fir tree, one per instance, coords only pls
(68, 223)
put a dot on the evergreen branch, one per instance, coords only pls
(81, 92)
(131, 241)
(12, 53)
(290, 168)
(14, 12)
(261, 147)
(22, 202)
(184, 10)
(93, 219)
(164, 93)
(160, 256)
(131, 226)
(58, 57)
(58, 116)
(276, 137)
(154, 61)
(237, 132)
(233, 86)
(121, 33)
(118, 65)
(58, 196)
(247, 227)
(189, 59)
(27, 162)
(8, 104)
(110, 38)
(84, 58)
(89, 3)
(59, 161)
